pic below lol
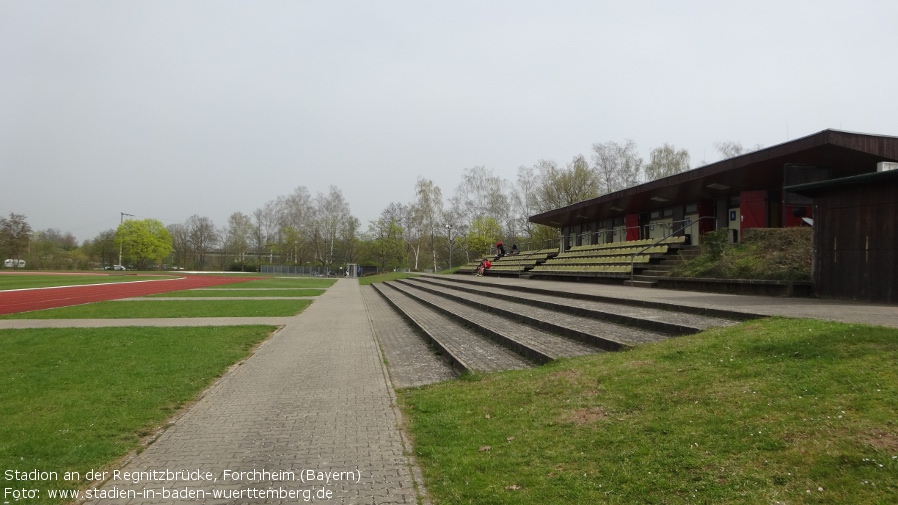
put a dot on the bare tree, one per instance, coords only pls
(427, 215)
(237, 235)
(730, 148)
(482, 194)
(180, 244)
(617, 165)
(265, 227)
(101, 250)
(297, 222)
(349, 238)
(524, 199)
(560, 187)
(203, 238)
(387, 245)
(666, 161)
(331, 212)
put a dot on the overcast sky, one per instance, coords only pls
(165, 109)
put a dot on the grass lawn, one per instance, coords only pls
(286, 282)
(25, 281)
(170, 308)
(78, 399)
(242, 293)
(769, 411)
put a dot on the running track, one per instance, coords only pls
(26, 300)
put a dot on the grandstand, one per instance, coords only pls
(611, 261)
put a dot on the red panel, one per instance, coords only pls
(631, 221)
(753, 207)
(792, 214)
(705, 209)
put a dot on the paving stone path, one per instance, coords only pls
(410, 360)
(310, 412)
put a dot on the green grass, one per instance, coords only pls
(26, 281)
(764, 254)
(227, 293)
(170, 308)
(79, 399)
(286, 282)
(770, 411)
(388, 276)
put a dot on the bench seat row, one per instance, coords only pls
(679, 240)
(581, 269)
(618, 251)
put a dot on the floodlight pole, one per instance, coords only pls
(449, 231)
(121, 244)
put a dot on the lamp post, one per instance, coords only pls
(121, 243)
(449, 232)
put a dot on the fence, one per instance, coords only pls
(297, 270)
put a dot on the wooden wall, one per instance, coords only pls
(856, 242)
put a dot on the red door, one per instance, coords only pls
(705, 209)
(631, 221)
(753, 207)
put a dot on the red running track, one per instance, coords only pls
(26, 300)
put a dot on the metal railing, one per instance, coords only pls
(535, 245)
(653, 244)
(618, 234)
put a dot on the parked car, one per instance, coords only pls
(11, 263)
(118, 267)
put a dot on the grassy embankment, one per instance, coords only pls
(764, 253)
(769, 411)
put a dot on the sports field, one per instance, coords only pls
(81, 398)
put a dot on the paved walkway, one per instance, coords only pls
(310, 413)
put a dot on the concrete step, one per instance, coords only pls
(533, 294)
(660, 319)
(597, 329)
(465, 349)
(411, 360)
(533, 343)
(647, 277)
(641, 283)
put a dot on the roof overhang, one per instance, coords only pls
(841, 184)
(844, 153)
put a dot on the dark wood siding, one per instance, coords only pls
(856, 243)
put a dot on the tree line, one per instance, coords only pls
(431, 232)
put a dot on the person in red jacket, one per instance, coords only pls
(500, 250)
(484, 266)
